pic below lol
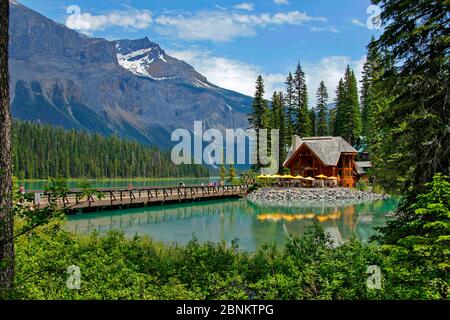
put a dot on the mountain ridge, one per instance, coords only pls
(132, 88)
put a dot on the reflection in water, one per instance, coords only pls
(225, 220)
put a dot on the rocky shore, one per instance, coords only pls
(292, 196)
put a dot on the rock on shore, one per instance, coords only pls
(295, 195)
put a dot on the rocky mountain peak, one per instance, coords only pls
(132, 88)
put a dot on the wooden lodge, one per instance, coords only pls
(330, 156)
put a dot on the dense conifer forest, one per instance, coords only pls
(42, 151)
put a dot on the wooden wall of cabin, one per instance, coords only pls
(346, 170)
(307, 164)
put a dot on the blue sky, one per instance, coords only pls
(231, 42)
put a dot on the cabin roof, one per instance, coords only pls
(361, 166)
(327, 149)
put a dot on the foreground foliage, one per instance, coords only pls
(113, 267)
(417, 243)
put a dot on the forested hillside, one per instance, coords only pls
(42, 151)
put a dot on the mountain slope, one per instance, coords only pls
(128, 87)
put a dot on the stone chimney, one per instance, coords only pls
(296, 142)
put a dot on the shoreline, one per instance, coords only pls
(290, 196)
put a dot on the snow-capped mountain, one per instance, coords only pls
(132, 88)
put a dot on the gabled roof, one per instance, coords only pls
(327, 149)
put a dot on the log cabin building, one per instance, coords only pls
(330, 156)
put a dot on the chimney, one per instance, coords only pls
(296, 142)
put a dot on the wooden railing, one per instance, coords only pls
(112, 197)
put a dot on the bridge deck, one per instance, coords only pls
(141, 196)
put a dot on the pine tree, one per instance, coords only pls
(279, 120)
(275, 112)
(313, 119)
(284, 137)
(289, 101)
(368, 75)
(303, 122)
(348, 115)
(340, 113)
(354, 120)
(374, 98)
(259, 118)
(322, 100)
(416, 76)
(331, 121)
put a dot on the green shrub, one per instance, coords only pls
(362, 185)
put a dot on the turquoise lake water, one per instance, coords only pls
(224, 220)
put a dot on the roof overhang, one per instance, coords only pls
(287, 162)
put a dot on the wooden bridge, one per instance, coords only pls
(110, 198)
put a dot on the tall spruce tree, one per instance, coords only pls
(367, 94)
(348, 116)
(259, 118)
(275, 112)
(279, 120)
(354, 124)
(375, 101)
(289, 101)
(415, 51)
(303, 121)
(331, 121)
(284, 134)
(340, 112)
(322, 100)
(313, 118)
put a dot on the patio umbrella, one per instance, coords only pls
(310, 179)
(321, 177)
(334, 179)
(261, 176)
(299, 177)
(288, 176)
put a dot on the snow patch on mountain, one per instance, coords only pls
(136, 66)
(138, 61)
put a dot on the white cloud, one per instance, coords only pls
(87, 22)
(222, 26)
(240, 76)
(357, 22)
(319, 29)
(245, 6)
(230, 73)
(214, 26)
(281, 1)
(330, 69)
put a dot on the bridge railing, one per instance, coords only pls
(117, 196)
